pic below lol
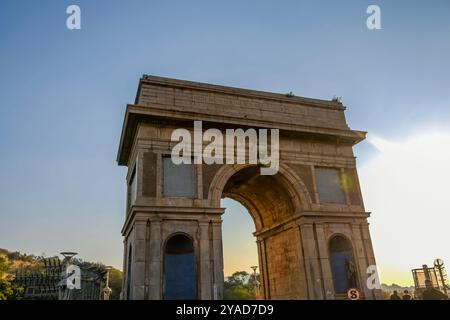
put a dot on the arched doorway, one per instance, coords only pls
(240, 253)
(343, 266)
(272, 202)
(180, 279)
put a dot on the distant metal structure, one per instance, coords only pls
(68, 255)
(439, 266)
(41, 283)
(256, 283)
(47, 281)
(436, 274)
(106, 292)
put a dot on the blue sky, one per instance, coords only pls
(63, 93)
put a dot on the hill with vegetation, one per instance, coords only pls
(11, 262)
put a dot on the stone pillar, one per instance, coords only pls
(217, 260)
(139, 261)
(204, 272)
(155, 261)
(263, 272)
(301, 291)
(322, 246)
(123, 294)
(131, 266)
(311, 259)
(360, 259)
(367, 243)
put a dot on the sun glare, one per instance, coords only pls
(406, 186)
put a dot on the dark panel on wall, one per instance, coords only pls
(179, 179)
(351, 184)
(304, 172)
(208, 172)
(329, 185)
(149, 175)
(180, 279)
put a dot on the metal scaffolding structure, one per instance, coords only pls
(48, 280)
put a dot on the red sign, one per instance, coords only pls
(353, 294)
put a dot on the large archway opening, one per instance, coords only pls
(240, 252)
(271, 202)
(268, 199)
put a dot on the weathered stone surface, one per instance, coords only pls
(293, 228)
(306, 176)
(208, 174)
(149, 175)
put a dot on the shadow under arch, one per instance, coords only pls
(269, 199)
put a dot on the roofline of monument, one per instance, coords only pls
(136, 113)
(249, 93)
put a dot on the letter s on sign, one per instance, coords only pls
(353, 294)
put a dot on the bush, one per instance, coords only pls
(115, 283)
(238, 287)
(10, 291)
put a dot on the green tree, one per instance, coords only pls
(3, 266)
(115, 283)
(238, 287)
(10, 291)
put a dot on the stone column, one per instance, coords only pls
(367, 242)
(322, 246)
(204, 272)
(131, 266)
(302, 292)
(263, 273)
(155, 261)
(123, 294)
(139, 261)
(311, 259)
(217, 260)
(360, 260)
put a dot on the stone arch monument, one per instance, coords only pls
(311, 227)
